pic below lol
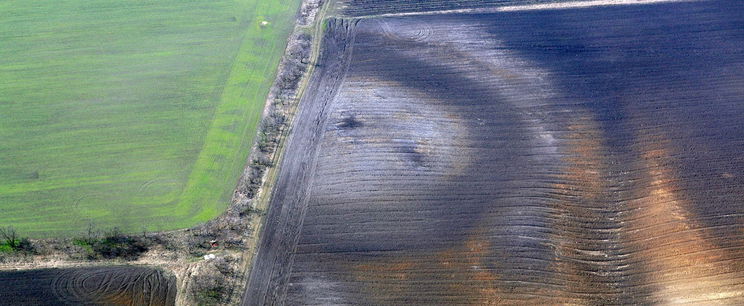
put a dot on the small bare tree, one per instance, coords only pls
(92, 234)
(10, 236)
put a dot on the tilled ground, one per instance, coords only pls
(588, 156)
(117, 285)
(360, 8)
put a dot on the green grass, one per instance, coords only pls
(130, 114)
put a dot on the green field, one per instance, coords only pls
(131, 114)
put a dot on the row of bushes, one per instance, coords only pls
(113, 244)
(293, 67)
(94, 245)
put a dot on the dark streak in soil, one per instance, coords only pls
(580, 156)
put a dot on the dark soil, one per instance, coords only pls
(118, 285)
(376, 7)
(588, 156)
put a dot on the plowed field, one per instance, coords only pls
(581, 156)
(119, 285)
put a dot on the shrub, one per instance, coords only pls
(113, 244)
(13, 242)
(209, 289)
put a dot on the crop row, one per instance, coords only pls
(119, 285)
(376, 7)
(574, 156)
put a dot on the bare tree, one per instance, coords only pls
(92, 234)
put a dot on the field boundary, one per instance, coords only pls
(526, 7)
(236, 228)
(231, 113)
(262, 200)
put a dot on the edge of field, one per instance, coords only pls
(263, 198)
(233, 128)
(187, 267)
